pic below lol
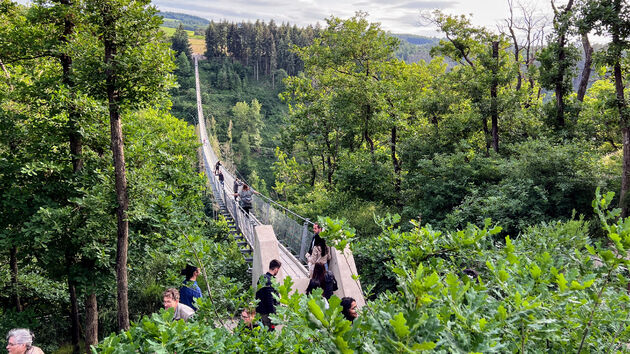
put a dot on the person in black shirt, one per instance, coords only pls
(267, 302)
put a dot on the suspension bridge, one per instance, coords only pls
(270, 231)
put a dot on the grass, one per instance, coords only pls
(198, 43)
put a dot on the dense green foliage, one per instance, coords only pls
(436, 145)
(58, 221)
(396, 148)
(265, 47)
(554, 288)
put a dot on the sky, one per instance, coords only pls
(397, 16)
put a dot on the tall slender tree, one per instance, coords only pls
(559, 58)
(135, 72)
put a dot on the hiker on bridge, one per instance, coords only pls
(246, 198)
(318, 252)
(322, 279)
(237, 183)
(170, 298)
(190, 290)
(221, 178)
(267, 304)
(217, 167)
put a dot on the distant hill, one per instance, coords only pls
(191, 23)
(417, 40)
(414, 48)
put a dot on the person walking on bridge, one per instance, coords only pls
(217, 167)
(349, 308)
(319, 252)
(221, 178)
(246, 198)
(267, 304)
(237, 183)
(322, 279)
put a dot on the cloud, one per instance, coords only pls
(416, 5)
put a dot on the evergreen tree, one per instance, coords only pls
(180, 43)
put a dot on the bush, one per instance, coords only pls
(552, 290)
(542, 182)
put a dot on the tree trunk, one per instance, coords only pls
(396, 164)
(517, 48)
(562, 41)
(91, 322)
(559, 89)
(118, 153)
(366, 133)
(625, 137)
(329, 161)
(74, 316)
(313, 170)
(6, 73)
(625, 174)
(586, 71)
(76, 150)
(623, 113)
(486, 133)
(15, 285)
(493, 94)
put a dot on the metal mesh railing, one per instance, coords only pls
(288, 231)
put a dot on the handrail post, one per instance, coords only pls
(304, 240)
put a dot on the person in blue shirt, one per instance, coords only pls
(190, 290)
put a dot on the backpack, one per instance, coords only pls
(246, 201)
(330, 278)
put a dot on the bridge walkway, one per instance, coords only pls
(269, 231)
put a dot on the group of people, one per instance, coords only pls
(183, 300)
(267, 302)
(318, 256)
(20, 340)
(246, 193)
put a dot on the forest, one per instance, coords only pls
(482, 189)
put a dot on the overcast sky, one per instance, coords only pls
(397, 16)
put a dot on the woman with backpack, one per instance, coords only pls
(324, 279)
(246, 198)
